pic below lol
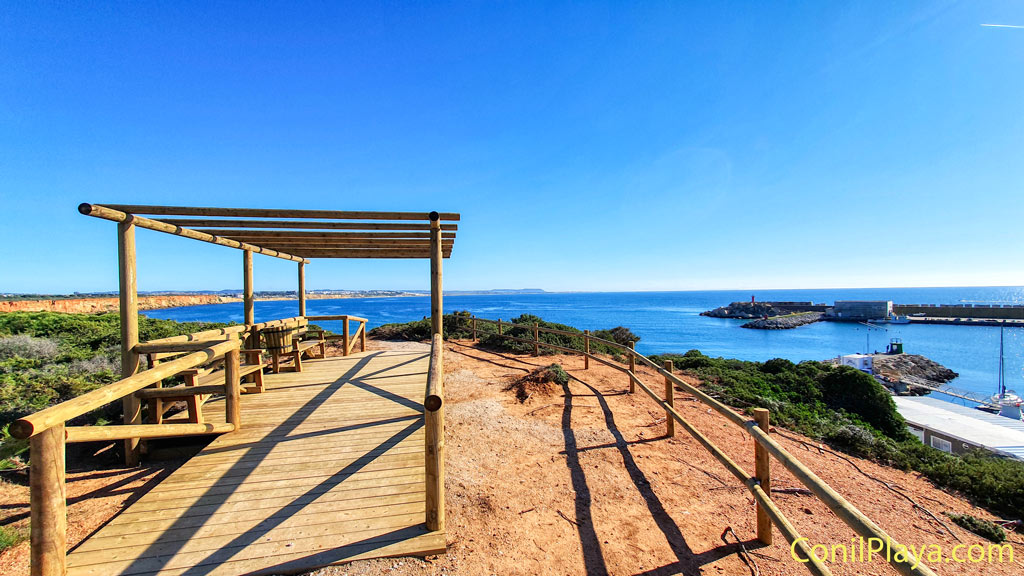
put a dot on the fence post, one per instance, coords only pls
(632, 369)
(670, 399)
(536, 339)
(586, 349)
(49, 519)
(362, 337)
(232, 389)
(762, 471)
(345, 337)
(474, 328)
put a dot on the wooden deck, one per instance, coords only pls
(328, 468)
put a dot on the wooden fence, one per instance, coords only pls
(765, 447)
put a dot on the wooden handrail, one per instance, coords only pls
(433, 404)
(106, 433)
(240, 328)
(170, 347)
(58, 414)
(904, 562)
(337, 317)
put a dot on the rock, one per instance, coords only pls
(785, 322)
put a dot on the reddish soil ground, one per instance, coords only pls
(582, 480)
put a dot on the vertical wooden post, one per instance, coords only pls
(232, 389)
(362, 337)
(433, 435)
(436, 307)
(345, 336)
(302, 288)
(536, 339)
(762, 471)
(248, 299)
(474, 328)
(670, 399)
(586, 349)
(632, 369)
(499, 326)
(129, 309)
(49, 519)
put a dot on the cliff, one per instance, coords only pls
(97, 305)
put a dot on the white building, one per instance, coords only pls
(862, 362)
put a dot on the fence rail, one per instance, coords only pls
(768, 513)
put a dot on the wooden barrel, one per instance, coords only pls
(278, 339)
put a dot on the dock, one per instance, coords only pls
(328, 467)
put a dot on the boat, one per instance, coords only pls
(1007, 401)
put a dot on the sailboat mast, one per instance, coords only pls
(1002, 381)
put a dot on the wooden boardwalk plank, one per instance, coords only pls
(327, 468)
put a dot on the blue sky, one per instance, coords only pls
(588, 146)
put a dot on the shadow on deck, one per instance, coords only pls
(327, 468)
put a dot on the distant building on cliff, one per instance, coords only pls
(861, 310)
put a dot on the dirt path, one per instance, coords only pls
(583, 481)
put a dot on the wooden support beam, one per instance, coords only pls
(298, 244)
(302, 289)
(302, 224)
(128, 291)
(248, 295)
(436, 296)
(115, 215)
(273, 213)
(48, 528)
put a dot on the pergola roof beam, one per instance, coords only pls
(115, 215)
(303, 224)
(258, 234)
(272, 213)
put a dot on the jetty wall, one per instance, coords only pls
(986, 311)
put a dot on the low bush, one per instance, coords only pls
(980, 526)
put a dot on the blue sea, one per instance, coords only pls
(671, 322)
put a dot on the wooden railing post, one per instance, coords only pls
(433, 414)
(474, 328)
(670, 400)
(586, 349)
(232, 389)
(49, 519)
(345, 337)
(249, 301)
(536, 339)
(632, 369)
(762, 471)
(362, 336)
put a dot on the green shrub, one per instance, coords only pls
(10, 536)
(980, 526)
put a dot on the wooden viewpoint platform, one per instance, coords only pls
(328, 468)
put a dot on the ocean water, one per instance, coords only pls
(671, 322)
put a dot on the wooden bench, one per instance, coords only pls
(200, 384)
(284, 344)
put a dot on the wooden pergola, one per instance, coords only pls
(296, 235)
